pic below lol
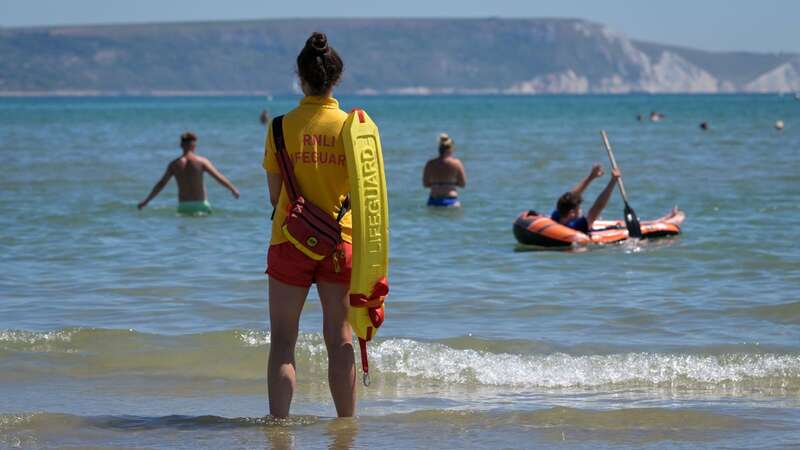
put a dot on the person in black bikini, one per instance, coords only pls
(443, 175)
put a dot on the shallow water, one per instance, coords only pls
(123, 328)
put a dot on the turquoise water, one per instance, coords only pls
(128, 328)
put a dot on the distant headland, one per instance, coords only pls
(382, 56)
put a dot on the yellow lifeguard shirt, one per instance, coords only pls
(313, 136)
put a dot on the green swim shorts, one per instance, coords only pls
(197, 208)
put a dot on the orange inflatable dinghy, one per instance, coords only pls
(532, 228)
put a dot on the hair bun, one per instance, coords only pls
(319, 43)
(445, 141)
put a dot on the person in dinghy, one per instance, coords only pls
(568, 208)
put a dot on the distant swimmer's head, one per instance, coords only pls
(318, 66)
(188, 141)
(446, 144)
(569, 206)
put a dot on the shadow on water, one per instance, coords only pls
(538, 248)
(279, 434)
(181, 422)
(449, 212)
(339, 434)
(584, 428)
(628, 246)
(264, 432)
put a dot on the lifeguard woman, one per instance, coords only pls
(312, 134)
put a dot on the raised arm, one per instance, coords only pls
(209, 167)
(596, 172)
(602, 199)
(158, 187)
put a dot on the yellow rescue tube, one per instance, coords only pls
(370, 216)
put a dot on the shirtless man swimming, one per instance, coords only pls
(443, 175)
(188, 172)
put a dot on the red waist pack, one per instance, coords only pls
(308, 227)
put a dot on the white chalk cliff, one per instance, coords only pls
(784, 78)
(634, 71)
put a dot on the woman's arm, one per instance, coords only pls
(462, 175)
(426, 175)
(274, 184)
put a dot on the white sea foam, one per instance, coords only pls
(36, 337)
(437, 361)
(253, 338)
(308, 342)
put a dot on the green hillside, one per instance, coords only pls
(381, 55)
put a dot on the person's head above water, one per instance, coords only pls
(569, 205)
(446, 145)
(318, 66)
(188, 141)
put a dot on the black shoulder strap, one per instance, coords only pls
(343, 209)
(287, 171)
(277, 133)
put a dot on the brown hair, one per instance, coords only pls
(319, 65)
(568, 202)
(188, 137)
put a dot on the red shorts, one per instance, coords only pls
(289, 265)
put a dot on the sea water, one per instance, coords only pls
(127, 328)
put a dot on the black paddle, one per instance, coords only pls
(631, 220)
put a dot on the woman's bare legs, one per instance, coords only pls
(339, 342)
(285, 304)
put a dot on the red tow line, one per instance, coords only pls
(364, 363)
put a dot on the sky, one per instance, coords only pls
(753, 25)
